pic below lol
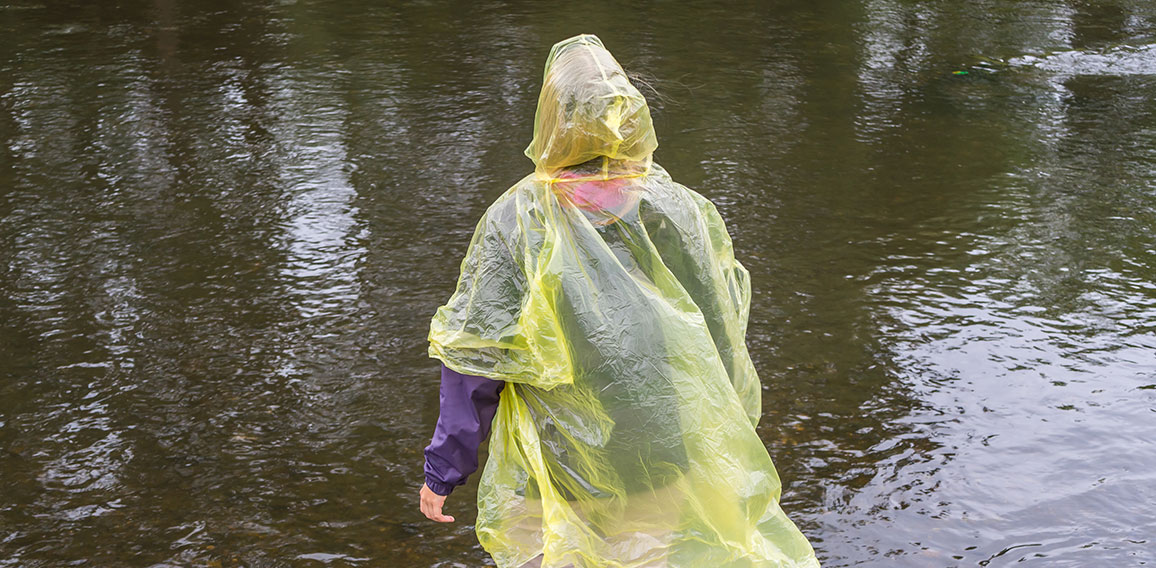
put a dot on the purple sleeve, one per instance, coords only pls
(468, 404)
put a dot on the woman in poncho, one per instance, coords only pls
(599, 325)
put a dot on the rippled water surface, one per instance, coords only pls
(224, 227)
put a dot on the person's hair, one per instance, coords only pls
(646, 84)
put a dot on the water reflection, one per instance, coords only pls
(1120, 60)
(223, 229)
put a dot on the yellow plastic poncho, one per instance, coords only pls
(608, 297)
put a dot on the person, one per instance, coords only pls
(598, 326)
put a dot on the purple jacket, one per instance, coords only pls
(468, 404)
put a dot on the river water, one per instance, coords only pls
(224, 228)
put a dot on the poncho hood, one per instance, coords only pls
(588, 109)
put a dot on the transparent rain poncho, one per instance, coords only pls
(608, 298)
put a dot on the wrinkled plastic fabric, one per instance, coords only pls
(608, 297)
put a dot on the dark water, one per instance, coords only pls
(225, 225)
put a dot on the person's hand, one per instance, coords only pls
(431, 505)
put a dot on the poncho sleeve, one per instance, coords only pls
(499, 322)
(732, 337)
